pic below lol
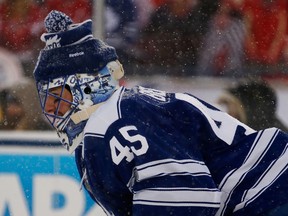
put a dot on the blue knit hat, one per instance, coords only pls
(70, 49)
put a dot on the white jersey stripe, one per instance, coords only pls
(258, 150)
(169, 160)
(170, 167)
(178, 197)
(268, 178)
(94, 135)
(122, 89)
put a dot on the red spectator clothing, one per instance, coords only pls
(266, 24)
(158, 3)
(20, 26)
(78, 10)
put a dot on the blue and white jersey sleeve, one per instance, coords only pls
(249, 167)
(144, 157)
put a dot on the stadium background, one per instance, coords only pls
(37, 177)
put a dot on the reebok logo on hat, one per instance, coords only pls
(72, 55)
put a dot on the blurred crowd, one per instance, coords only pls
(217, 38)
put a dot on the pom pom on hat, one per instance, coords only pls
(56, 21)
(70, 48)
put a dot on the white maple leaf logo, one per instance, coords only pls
(53, 42)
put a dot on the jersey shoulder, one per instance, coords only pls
(105, 114)
(125, 102)
(120, 103)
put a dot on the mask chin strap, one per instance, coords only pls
(84, 114)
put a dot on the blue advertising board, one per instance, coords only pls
(40, 179)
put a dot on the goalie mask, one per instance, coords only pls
(74, 74)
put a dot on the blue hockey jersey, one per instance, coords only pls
(148, 152)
